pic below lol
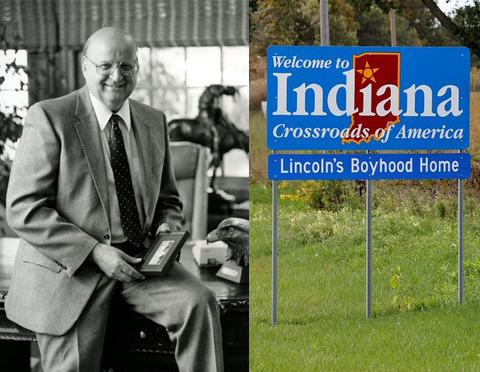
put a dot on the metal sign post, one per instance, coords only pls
(369, 248)
(460, 239)
(274, 250)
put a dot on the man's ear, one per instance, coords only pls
(84, 65)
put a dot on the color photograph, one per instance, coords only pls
(364, 184)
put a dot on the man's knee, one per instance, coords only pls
(202, 298)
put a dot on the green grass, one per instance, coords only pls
(321, 287)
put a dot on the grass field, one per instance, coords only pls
(417, 323)
(321, 309)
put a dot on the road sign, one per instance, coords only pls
(368, 166)
(368, 98)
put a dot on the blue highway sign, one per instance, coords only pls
(296, 167)
(368, 98)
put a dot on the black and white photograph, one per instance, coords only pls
(120, 121)
(161, 252)
(164, 250)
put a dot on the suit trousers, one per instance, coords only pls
(179, 301)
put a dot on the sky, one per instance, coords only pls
(448, 6)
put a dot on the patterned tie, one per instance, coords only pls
(123, 184)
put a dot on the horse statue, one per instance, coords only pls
(211, 128)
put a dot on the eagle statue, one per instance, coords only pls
(234, 232)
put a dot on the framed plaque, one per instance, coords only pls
(161, 254)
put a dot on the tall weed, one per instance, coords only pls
(330, 195)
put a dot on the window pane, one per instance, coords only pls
(235, 65)
(11, 99)
(168, 67)
(21, 57)
(141, 95)
(192, 101)
(10, 55)
(24, 78)
(14, 88)
(203, 66)
(144, 72)
(170, 101)
(236, 108)
(236, 163)
(236, 111)
(13, 80)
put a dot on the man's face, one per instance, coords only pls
(114, 89)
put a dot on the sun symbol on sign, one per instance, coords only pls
(368, 73)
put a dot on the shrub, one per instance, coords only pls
(331, 195)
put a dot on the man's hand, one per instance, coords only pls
(115, 263)
(163, 228)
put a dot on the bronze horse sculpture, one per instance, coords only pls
(211, 128)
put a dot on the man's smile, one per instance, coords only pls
(115, 86)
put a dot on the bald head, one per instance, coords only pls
(110, 35)
(107, 45)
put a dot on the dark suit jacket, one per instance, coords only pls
(57, 202)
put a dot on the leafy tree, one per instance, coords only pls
(375, 29)
(252, 8)
(429, 30)
(468, 19)
(279, 22)
(342, 24)
(467, 33)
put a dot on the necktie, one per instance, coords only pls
(123, 184)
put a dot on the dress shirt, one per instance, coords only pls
(103, 115)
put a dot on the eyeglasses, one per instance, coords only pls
(106, 68)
